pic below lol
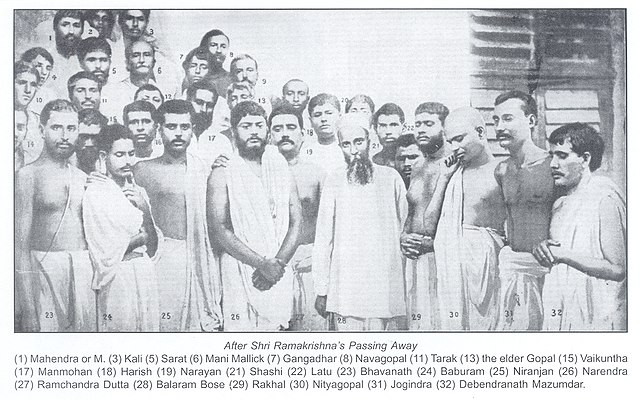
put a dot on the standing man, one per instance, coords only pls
(218, 44)
(407, 155)
(357, 265)
(389, 124)
(188, 279)
(138, 117)
(527, 188)
(586, 253)
(324, 110)
(414, 242)
(467, 214)
(254, 213)
(285, 125)
(53, 269)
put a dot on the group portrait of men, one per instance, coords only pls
(151, 196)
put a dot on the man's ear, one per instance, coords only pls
(481, 132)
(532, 120)
(586, 156)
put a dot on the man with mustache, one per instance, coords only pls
(53, 268)
(244, 68)
(466, 216)
(324, 111)
(389, 124)
(84, 90)
(414, 242)
(139, 118)
(208, 143)
(528, 190)
(94, 55)
(25, 86)
(285, 125)
(217, 43)
(358, 269)
(586, 252)
(90, 124)
(188, 278)
(68, 26)
(254, 213)
(296, 93)
(407, 154)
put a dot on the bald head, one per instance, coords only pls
(464, 118)
(465, 130)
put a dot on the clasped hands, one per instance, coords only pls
(413, 245)
(268, 273)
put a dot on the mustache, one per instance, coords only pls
(360, 170)
(286, 140)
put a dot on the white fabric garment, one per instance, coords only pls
(328, 157)
(422, 299)
(209, 146)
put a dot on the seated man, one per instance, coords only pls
(586, 253)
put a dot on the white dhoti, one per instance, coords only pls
(65, 301)
(520, 291)
(422, 299)
(171, 271)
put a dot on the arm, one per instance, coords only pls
(25, 273)
(432, 213)
(290, 243)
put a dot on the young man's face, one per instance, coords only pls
(567, 166)
(405, 158)
(133, 23)
(354, 143)
(176, 132)
(237, 96)
(20, 128)
(44, 68)
(286, 133)
(251, 133)
(120, 159)
(152, 96)
(86, 94)
(245, 70)
(297, 94)
(429, 130)
(61, 133)
(219, 47)
(197, 70)
(361, 108)
(512, 126)
(98, 63)
(142, 126)
(102, 22)
(69, 31)
(389, 129)
(141, 59)
(324, 118)
(25, 86)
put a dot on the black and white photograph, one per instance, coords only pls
(405, 170)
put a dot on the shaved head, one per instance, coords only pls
(464, 116)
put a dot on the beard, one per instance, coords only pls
(202, 122)
(251, 153)
(67, 45)
(433, 145)
(359, 170)
(87, 159)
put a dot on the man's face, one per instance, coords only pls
(219, 47)
(354, 143)
(120, 159)
(44, 68)
(324, 118)
(86, 94)
(98, 63)
(297, 94)
(405, 158)
(361, 108)
(389, 129)
(567, 166)
(251, 135)
(20, 128)
(237, 96)
(245, 71)
(287, 133)
(197, 70)
(429, 131)
(133, 24)
(203, 103)
(86, 148)
(152, 96)
(464, 139)
(142, 126)
(141, 59)
(61, 133)
(513, 127)
(69, 32)
(102, 22)
(25, 86)
(176, 132)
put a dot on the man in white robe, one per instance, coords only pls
(358, 270)
(254, 214)
(586, 253)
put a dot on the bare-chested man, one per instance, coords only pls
(285, 124)
(188, 280)
(53, 268)
(415, 245)
(254, 213)
(388, 122)
(469, 213)
(527, 189)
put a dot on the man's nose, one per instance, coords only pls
(135, 23)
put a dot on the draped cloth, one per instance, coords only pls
(521, 291)
(259, 210)
(467, 266)
(422, 298)
(572, 299)
(127, 289)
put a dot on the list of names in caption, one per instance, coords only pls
(316, 366)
